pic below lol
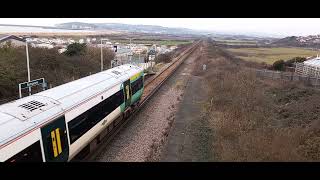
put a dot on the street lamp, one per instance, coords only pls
(102, 54)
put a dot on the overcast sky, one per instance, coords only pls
(277, 26)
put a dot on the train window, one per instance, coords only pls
(30, 154)
(77, 127)
(81, 124)
(137, 85)
(119, 96)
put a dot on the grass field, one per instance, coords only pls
(270, 55)
(159, 42)
(239, 44)
(236, 41)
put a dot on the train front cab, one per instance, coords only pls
(136, 83)
(132, 90)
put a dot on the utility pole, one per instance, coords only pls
(139, 56)
(101, 57)
(131, 53)
(102, 52)
(28, 65)
(155, 55)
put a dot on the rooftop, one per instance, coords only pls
(313, 62)
(124, 50)
(5, 37)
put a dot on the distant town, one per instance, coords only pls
(62, 43)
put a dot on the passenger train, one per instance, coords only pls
(56, 124)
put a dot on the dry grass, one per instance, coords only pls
(270, 55)
(260, 120)
(157, 67)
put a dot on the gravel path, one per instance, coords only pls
(144, 137)
(190, 138)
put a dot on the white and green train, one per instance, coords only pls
(56, 124)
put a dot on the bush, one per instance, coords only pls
(165, 58)
(278, 65)
(291, 62)
(75, 49)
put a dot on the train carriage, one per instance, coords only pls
(56, 124)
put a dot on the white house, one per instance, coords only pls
(43, 45)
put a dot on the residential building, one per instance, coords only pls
(309, 68)
(13, 40)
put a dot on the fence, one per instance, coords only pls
(289, 76)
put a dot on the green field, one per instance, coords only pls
(239, 43)
(236, 42)
(270, 55)
(159, 42)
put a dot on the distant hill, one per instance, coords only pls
(128, 28)
(288, 41)
(160, 30)
(311, 41)
(76, 25)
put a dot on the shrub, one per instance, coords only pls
(75, 49)
(278, 65)
(166, 58)
(291, 62)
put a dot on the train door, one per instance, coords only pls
(127, 93)
(55, 142)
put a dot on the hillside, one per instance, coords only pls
(127, 28)
(311, 41)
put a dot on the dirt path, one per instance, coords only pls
(190, 135)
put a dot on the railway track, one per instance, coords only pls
(151, 86)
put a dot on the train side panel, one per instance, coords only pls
(78, 144)
(21, 144)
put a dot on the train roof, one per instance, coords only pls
(20, 116)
